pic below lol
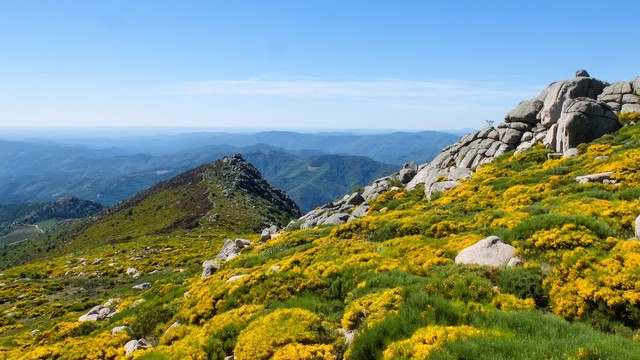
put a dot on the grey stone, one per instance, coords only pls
(490, 251)
(104, 313)
(525, 112)
(554, 96)
(405, 175)
(119, 329)
(635, 84)
(361, 210)
(34, 332)
(630, 99)
(355, 199)
(173, 326)
(209, 270)
(582, 73)
(572, 152)
(584, 120)
(134, 345)
(265, 235)
(231, 249)
(336, 219)
(630, 108)
(600, 177)
(236, 277)
(514, 261)
(142, 286)
(637, 227)
(441, 186)
(131, 271)
(510, 136)
(87, 317)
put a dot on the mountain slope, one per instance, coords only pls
(227, 196)
(389, 278)
(96, 176)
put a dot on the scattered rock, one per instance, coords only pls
(173, 326)
(34, 332)
(137, 302)
(275, 268)
(131, 271)
(265, 235)
(600, 177)
(209, 269)
(515, 261)
(231, 249)
(134, 345)
(637, 228)
(142, 286)
(236, 277)
(490, 251)
(119, 329)
(97, 262)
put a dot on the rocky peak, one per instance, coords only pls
(564, 115)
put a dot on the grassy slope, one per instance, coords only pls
(390, 276)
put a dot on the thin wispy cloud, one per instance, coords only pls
(306, 88)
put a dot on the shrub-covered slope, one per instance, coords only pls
(384, 286)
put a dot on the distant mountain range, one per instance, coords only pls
(306, 166)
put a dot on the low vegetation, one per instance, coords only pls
(387, 281)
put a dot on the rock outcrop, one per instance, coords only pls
(566, 114)
(101, 312)
(490, 251)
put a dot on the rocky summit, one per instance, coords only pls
(566, 114)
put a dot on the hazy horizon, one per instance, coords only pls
(335, 65)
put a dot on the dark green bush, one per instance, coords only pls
(524, 283)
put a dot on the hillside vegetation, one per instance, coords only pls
(384, 286)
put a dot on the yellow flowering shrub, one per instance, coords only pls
(267, 334)
(371, 308)
(510, 302)
(427, 339)
(297, 351)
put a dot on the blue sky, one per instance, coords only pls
(414, 65)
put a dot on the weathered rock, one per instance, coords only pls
(142, 286)
(514, 261)
(236, 277)
(490, 251)
(34, 332)
(89, 317)
(131, 271)
(441, 186)
(134, 345)
(600, 177)
(584, 120)
(119, 329)
(637, 228)
(554, 96)
(582, 73)
(231, 249)
(265, 235)
(209, 269)
(173, 326)
(630, 108)
(572, 152)
(361, 210)
(348, 335)
(429, 175)
(336, 219)
(405, 175)
(526, 112)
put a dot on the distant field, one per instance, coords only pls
(28, 231)
(22, 233)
